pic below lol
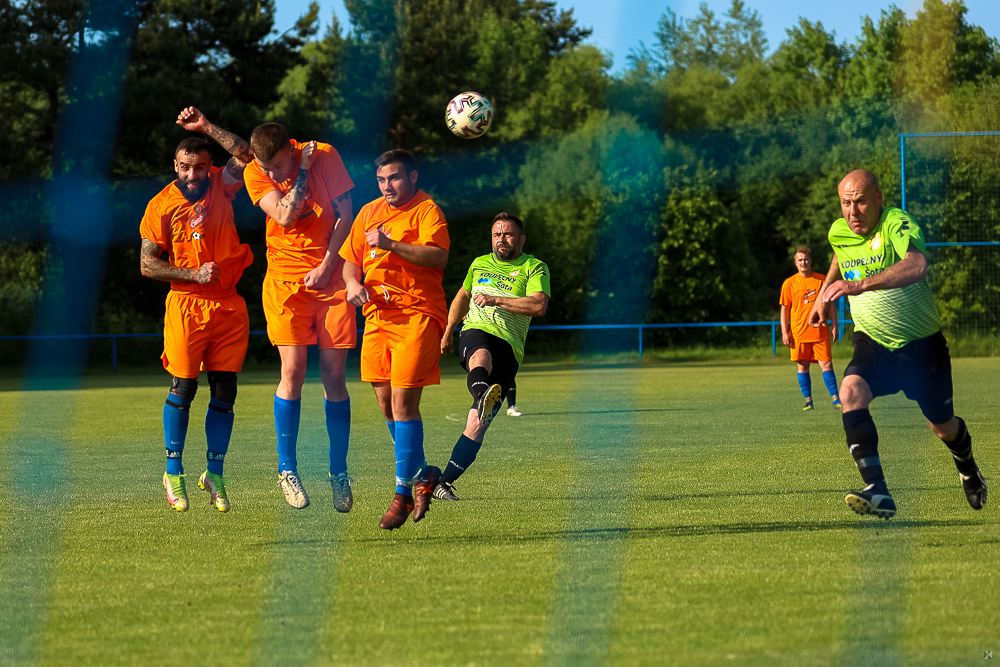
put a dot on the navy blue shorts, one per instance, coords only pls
(504, 362)
(920, 369)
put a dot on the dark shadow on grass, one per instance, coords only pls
(782, 492)
(603, 412)
(680, 531)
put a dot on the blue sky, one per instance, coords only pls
(619, 25)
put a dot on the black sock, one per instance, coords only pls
(961, 449)
(478, 382)
(461, 458)
(512, 397)
(862, 441)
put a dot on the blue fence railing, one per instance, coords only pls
(641, 328)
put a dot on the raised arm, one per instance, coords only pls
(456, 313)
(195, 121)
(534, 304)
(153, 267)
(285, 210)
(429, 256)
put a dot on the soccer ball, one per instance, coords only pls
(469, 115)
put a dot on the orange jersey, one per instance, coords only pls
(294, 251)
(200, 232)
(798, 295)
(392, 281)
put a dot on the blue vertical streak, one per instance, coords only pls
(608, 451)
(40, 472)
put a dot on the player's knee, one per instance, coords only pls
(854, 395)
(184, 388)
(293, 373)
(223, 386)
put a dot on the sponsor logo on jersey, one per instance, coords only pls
(199, 215)
(876, 241)
(484, 281)
(809, 296)
(196, 236)
(864, 261)
(515, 274)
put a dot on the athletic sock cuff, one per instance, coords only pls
(287, 403)
(220, 406)
(855, 418)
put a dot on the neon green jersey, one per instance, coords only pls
(892, 317)
(521, 277)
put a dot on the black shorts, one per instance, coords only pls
(920, 369)
(504, 361)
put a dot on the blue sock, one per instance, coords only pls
(338, 427)
(218, 431)
(392, 430)
(286, 424)
(175, 428)
(805, 384)
(409, 454)
(830, 380)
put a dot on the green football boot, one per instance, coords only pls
(176, 493)
(216, 487)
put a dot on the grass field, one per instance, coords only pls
(682, 513)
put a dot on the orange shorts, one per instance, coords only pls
(401, 347)
(297, 315)
(202, 333)
(815, 352)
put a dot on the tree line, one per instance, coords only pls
(670, 191)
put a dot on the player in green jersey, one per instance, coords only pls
(881, 265)
(501, 293)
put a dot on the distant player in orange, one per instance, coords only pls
(399, 247)
(206, 324)
(306, 192)
(808, 344)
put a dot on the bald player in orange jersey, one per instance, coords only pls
(399, 247)
(206, 325)
(306, 192)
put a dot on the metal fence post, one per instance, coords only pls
(114, 353)
(902, 171)
(774, 342)
(640, 341)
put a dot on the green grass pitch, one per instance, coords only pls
(684, 513)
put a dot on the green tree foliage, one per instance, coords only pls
(217, 56)
(674, 190)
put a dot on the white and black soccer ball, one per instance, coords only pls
(469, 115)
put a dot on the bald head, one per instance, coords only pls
(858, 180)
(860, 201)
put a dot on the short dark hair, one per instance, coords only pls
(804, 249)
(194, 145)
(267, 140)
(508, 217)
(397, 155)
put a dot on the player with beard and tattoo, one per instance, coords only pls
(206, 324)
(501, 293)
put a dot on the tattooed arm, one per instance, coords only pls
(285, 210)
(153, 267)
(195, 121)
(320, 277)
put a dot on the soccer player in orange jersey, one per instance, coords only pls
(306, 192)
(206, 324)
(808, 344)
(395, 258)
